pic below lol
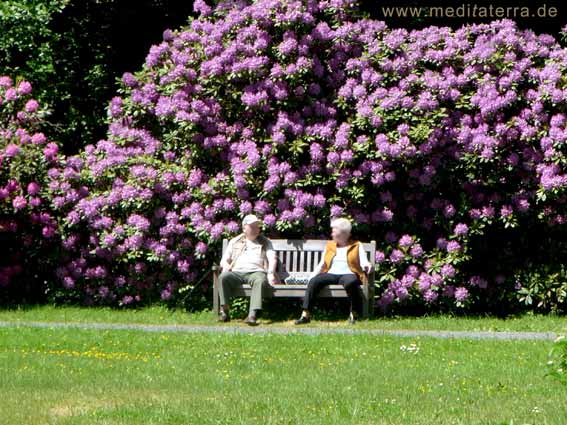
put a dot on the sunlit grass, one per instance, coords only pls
(71, 376)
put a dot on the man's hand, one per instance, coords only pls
(271, 278)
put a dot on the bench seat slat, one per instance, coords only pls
(330, 291)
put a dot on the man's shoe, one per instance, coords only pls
(351, 319)
(224, 317)
(251, 321)
(302, 320)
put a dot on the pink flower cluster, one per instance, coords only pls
(26, 220)
(301, 111)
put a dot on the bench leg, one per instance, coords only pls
(365, 301)
(215, 294)
(370, 301)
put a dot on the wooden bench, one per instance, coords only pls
(302, 256)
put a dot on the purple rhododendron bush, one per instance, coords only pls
(27, 226)
(445, 146)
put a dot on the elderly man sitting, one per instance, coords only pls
(249, 258)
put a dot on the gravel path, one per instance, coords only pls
(289, 330)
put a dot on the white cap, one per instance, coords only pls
(250, 218)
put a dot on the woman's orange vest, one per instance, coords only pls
(353, 259)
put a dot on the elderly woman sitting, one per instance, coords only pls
(344, 262)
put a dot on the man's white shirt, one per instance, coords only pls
(250, 260)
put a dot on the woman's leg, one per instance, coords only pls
(352, 283)
(314, 286)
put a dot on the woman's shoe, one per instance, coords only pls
(302, 320)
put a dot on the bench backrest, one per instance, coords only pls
(303, 255)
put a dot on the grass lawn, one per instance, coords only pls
(72, 376)
(275, 318)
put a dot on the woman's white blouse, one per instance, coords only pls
(339, 264)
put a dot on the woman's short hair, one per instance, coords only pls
(342, 224)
